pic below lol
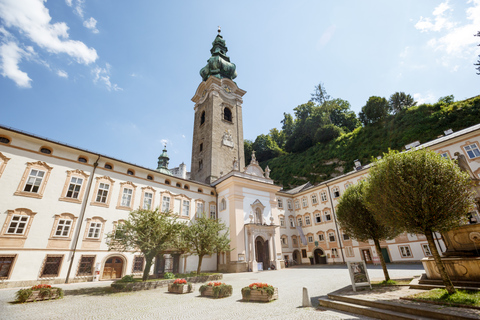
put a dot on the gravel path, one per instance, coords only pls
(87, 301)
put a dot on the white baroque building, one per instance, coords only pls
(58, 202)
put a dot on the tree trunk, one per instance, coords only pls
(382, 260)
(438, 261)
(148, 266)
(200, 258)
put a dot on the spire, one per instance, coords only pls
(219, 64)
(163, 162)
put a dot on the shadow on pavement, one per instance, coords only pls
(102, 291)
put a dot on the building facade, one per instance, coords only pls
(58, 201)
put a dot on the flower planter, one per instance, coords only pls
(258, 292)
(223, 290)
(36, 296)
(38, 293)
(181, 288)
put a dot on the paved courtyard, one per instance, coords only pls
(152, 304)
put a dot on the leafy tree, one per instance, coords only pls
(360, 223)
(287, 124)
(478, 61)
(206, 236)
(266, 148)
(376, 109)
(420, 192)
(327, 133)
(447, 99)
(247, 151)
(147, 231)
(340, 115)
(400, 101)
(320, 95)
(278, 136)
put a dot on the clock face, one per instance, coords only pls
(227, 89)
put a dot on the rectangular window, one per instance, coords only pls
(294, 241)
(284, 241)
(307, 220)
(127, 197)
(63, 228)
(328, 217)
(346, 237)
(318, 218)
(186, 208)
(349, 251)
(176, 205)
(472, 151)
(74, 188)
(348, 185)
(334, 253)
(289, 205)
(299, 222)
(17, 225)
(310, 239)
(138, 264)
(94, 230)
(321, 237)
(282, 222)
(280, 203)
(147, 200)
(199, 208)
(86, 266)
(323, 196)
(405, 251)
(6, 264)
(331, 237)
(52, 266)
(304, 202)
(297, 204)
(213, 213)
(102, 192)
(426, 250)
(445, 155)
(165, 204)
(304, 253)
(34, 181)
(292, 223)
(314, 199)
(336, 192)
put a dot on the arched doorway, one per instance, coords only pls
(261, 251)
(113, 268)
(296, 256)
(320, 257)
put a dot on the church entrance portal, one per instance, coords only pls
(113, 268)
(320, 257)
(262, 252)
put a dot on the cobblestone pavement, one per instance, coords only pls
(85, 301)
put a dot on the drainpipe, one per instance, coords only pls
(335, 221)
(216, 213)
(80, 218)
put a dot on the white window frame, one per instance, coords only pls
(186, 208)
(328, 217)
(334, 253)
(200, 208)
(304, 202)
(297, 204)
(63, 226)
(310, 239)
(307, 220)
(319, 216)
(292, 223)
(349, 251)
(472, 151)
(405, 251)
(426, 250)
(280, 203)
(336, 192)
(345, 237)
(213, 211)
(74, 188)
(94, 230)
(289, 205)
(321, 237)
(102, 192)
(330, 236)
(147, 200)
(300, 222)
(165, 203)
(445, 155)
(34, 180)
(323, 196)
(282, 222)
(314, 199)
(127, 194)
(18, 223)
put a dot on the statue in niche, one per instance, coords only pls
(267, 172)
(227, 139)
(235, 164)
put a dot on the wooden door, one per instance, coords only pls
(113, 268)
(367, 256)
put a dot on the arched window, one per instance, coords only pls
(223, 204)
(227, 114)
(202, 118)
(258, 216)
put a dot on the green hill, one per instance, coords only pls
(324, 161)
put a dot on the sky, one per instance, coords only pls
(117, 77)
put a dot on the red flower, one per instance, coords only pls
(180, 281)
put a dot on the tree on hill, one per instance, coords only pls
(400, 101)
(420, 192)
(341, 115)
(376, 109)
(206, 236)
(148, 231)
(278, 136)
(266, 148)
(447, 99)
(360, 223)
(478, 61)
(320, 95)
(247, 151)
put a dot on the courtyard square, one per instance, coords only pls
(151, 304)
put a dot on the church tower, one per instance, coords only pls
(218, 127)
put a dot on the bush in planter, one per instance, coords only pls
(45, 291)
(22, 295)
(168, 275)
(181, 282)
(219, 289)
(263, 288)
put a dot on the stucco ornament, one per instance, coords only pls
(227, 139)
(235, 164)
(474, 236)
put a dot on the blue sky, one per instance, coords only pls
(116, 77)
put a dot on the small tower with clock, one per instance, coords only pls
(217, 146)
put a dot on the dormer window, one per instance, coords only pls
(130, 172)
(82, 159)
(108, 166)
(46, 150)
(4, 140)
(149, 177)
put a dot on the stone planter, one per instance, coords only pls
(36, 296)
(182, 288)
(209, 293)
(260, 296)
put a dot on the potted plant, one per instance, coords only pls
(216, 290)
(180, 286)
(261, 292)
(38, 293)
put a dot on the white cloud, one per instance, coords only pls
(68, 2)
(183, 136)
(11, 55)
(165, 142)
(32, 18)
(440, 19)
(424, 98)
(326, 36)
(103, 75)
(62, 74)
(91, 24)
